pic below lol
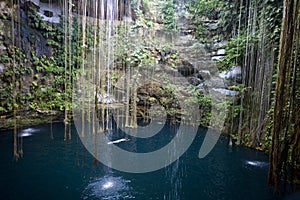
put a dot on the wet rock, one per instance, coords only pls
(186, 68)
(212, 26)
(217, 58)
(151, 94)
(48, 13)
(2, 48)
(106, 99)
(203, 88)
(165, 54)
(31, 6)
(225, 91)
(195, 81)
(233, 75)
(219, 45)
(220, 52)
(1, 67)
(205, 74)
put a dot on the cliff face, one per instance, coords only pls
(42, 51)
(29, 39)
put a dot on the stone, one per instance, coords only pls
(31, 6)
(212, 26)
(48, 13)
(106, 99)
(217, 58)
(225, 91)
(219, 45)
(1, 67)
(186, 68)
(232, 76)
(220, 52)
(195, 81)
(203, 88)
(205, 74)
(234, 72)
(2, 47)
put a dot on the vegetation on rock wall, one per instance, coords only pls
(41, 61)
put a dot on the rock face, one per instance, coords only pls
(48, 12)
(152, 94)
(186, 68)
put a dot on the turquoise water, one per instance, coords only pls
(58, 169)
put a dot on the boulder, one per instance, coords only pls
(217, 58)
(186, 68)
(205, 74)
(195, 81)
(232, 76)
(221, 52)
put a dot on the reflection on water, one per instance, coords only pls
(28, 132)
(108, 187)
(256, 163)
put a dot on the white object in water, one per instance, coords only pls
(27, 132)
(118, 141)
(256, 163)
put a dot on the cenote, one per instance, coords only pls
(52, 168)
(131, 84)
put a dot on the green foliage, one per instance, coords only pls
(229, 15)
(206, 8)
(204, 102)
(39, 81)
(17, 66)
(235, 51)
(168, 10)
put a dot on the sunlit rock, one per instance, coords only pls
(221, 52)
(1, 67)
(49, 12)
(234, 75)
(106, 99)
(225, 91)
(217, 58)
(205, 74)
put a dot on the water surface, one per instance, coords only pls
(58, 169)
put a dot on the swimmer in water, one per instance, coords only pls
(118, 141)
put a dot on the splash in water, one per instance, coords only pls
(108, 187)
